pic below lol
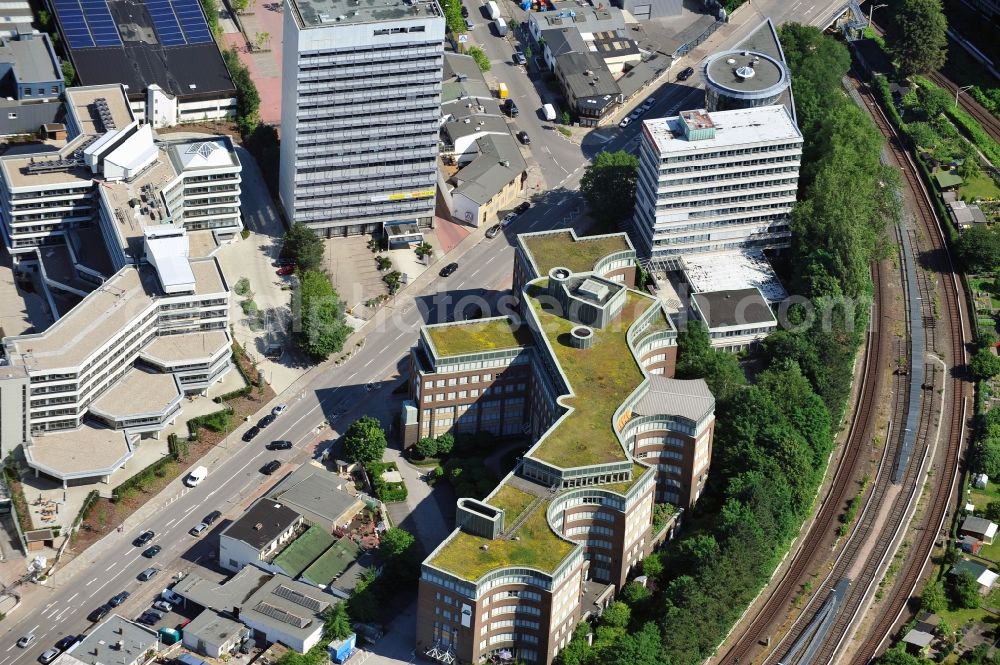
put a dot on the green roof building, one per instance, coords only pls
(583, 371)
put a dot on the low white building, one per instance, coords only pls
(117, 641)
(736, 320)
(211, 634)
(287, 611)
(257, 535)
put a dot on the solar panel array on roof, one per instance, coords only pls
(178, 22)
(281, 615)
(87, 23)
(299, 598)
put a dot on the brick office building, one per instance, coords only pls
(584, 371)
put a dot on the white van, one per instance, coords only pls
(549, 112)
(196, 476)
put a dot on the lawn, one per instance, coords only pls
(981, 186)
(303, 551)
(985, 287)
(558, 249)
(453, 339)
(512, 501)
(601, 378)
(537, 546)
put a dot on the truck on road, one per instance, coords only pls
(501, 26)
(493, 10)
(549, 111)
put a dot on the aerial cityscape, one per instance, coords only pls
(519, 332)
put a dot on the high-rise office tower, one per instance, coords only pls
(713, 182)
(360, 110)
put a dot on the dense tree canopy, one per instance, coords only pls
(364, 440)
(608, 185)
(984, 364)
(302, 246)
(318, 314)
(978, 249)
(918, 35)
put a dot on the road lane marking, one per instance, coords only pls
(9, 648)
(369, 362)
(69, 600)
(174, 520)
(111, 566)
(91, 582)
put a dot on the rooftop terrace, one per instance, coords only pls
(303, 551)
(537, 546)
(601, 377)
(454, 339)
(565, 249)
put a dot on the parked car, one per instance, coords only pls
(285, 270)
(279, 445)
(449, 270)
(67, 642)
(26, 640)
(522, 207)
(508, 219)
(519, 59)
(198, 529)
(162, 605)
(147, 619)
(99, 613)
(251, 433)
(511, 108)
(280, 409)
(266, 420)
(625, 122)
(493, 231)
(143, 538)
(212, 516)
(465, 12)
(48, 656)
(271, 467)
(634, 115)
(685, 74)
(648, 104)
(523, 137)
(148, 574)
(152, 551)
(469, 25)
(118, 599)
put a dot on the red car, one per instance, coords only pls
(285, 270)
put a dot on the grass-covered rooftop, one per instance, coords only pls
(559, 249)
(621, 488)
(332, 562)
(537, 546)
(454, 339)
(303, 551)
(601, 378)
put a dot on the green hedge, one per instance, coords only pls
(88, 503)
(138, 482)
(218, 421)
(387, 492)
(236, 394)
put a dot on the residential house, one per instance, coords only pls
(983, 575)
(118, 641)
(257, 535)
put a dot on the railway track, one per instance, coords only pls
(937, 261)
(860, 433)
(989, 121)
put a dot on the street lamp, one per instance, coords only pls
(871, 10)
(960, 91)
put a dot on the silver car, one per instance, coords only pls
(48, 656)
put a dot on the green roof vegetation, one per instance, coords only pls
(538, 547)
(601, 378)
(621, 488)
(456, 339)
(558, 249)
(332, 562)
(303, 551)
(512, 501)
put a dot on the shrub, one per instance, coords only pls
(481, 58)
(387, 492)
(242, 287)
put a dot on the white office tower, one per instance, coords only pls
(360, 111)
(715, 182)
